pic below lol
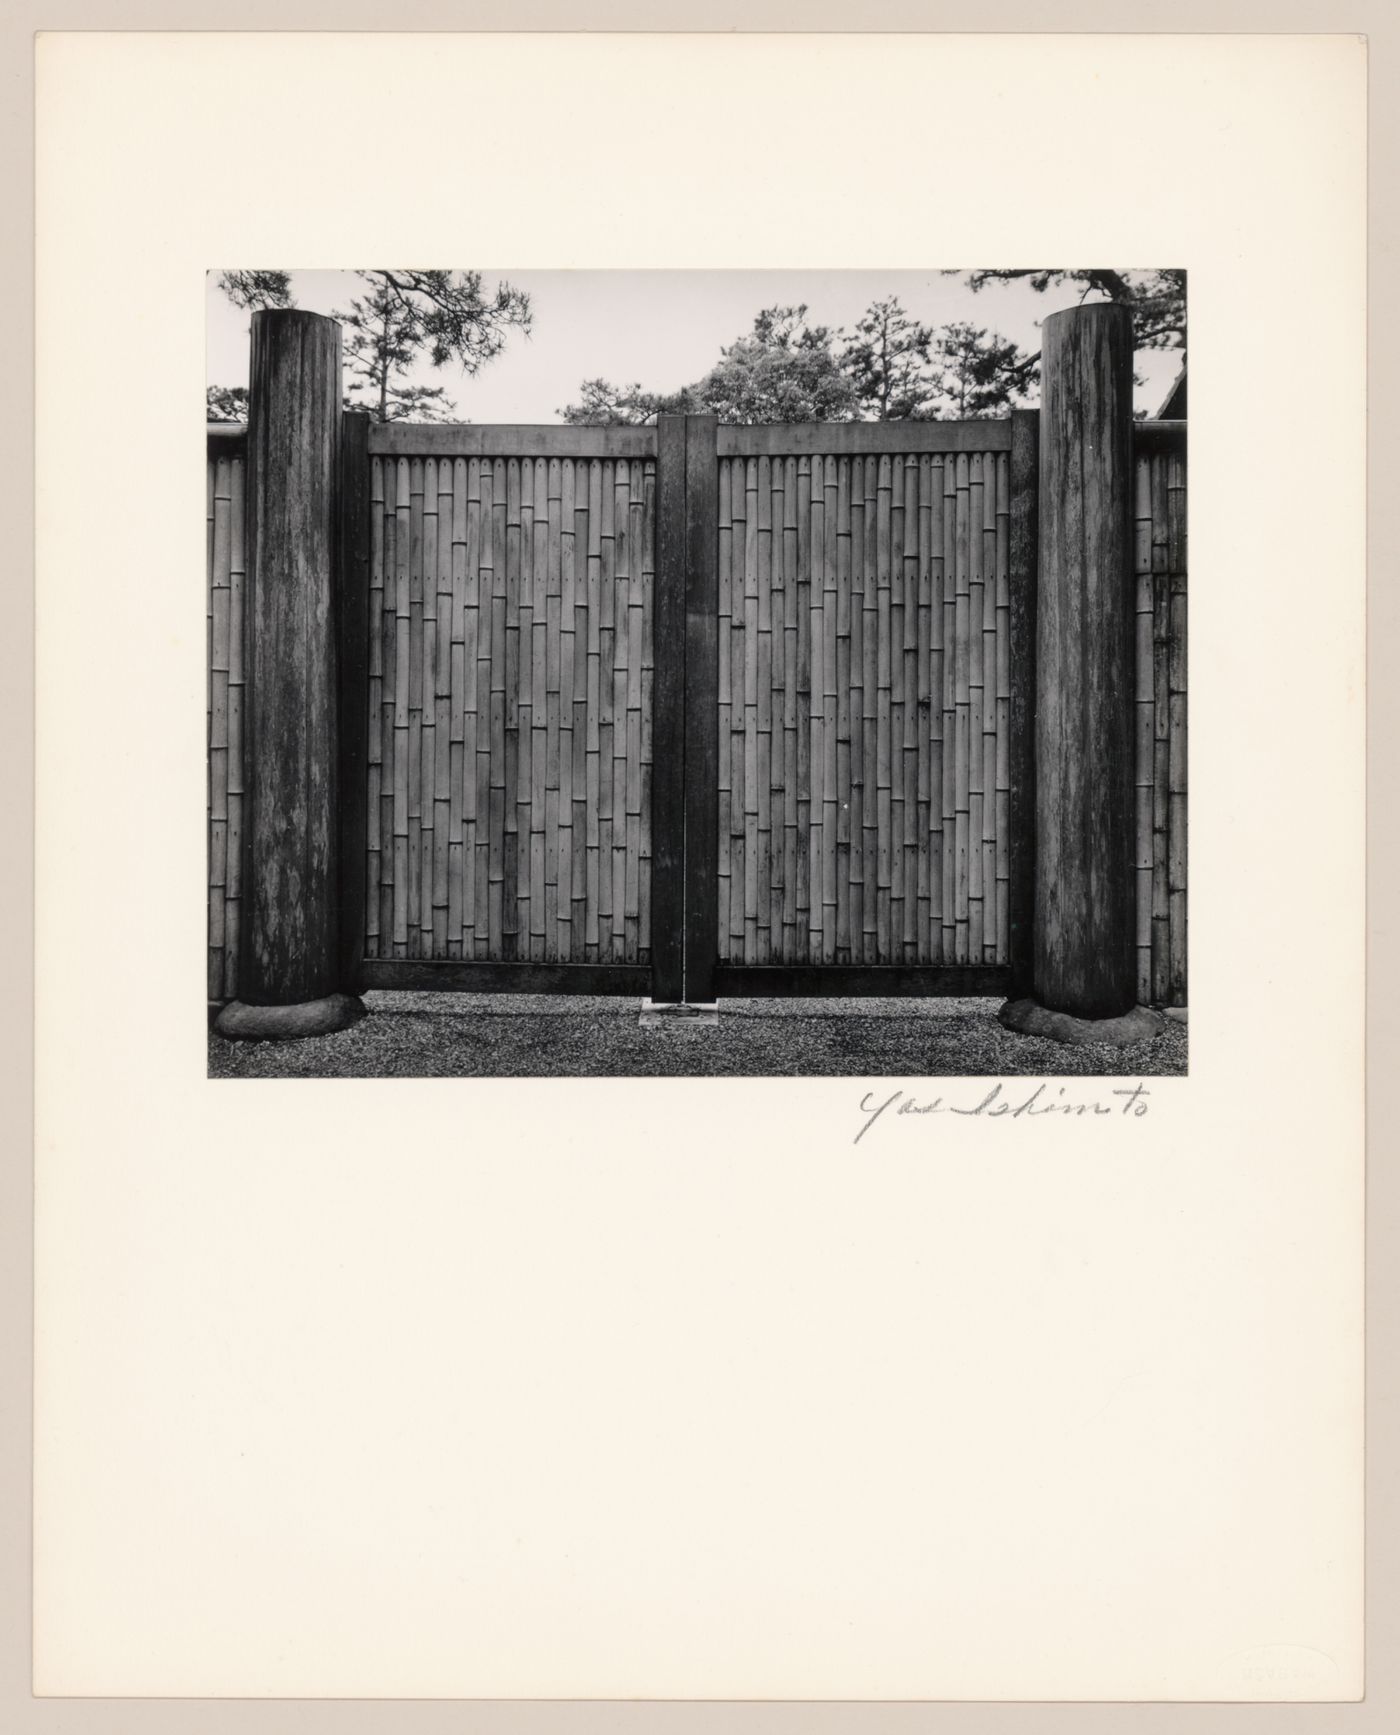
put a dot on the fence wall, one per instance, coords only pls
(864, 688)
(510, 675)
(224, 579)
(1160, 561)
(863, 700)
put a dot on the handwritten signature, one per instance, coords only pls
(995, 1104)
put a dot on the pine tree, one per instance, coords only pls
(403, 316)
(976, 372)
(889, 361)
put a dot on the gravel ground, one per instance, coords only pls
(417, 1035)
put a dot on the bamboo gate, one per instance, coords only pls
(688, 710)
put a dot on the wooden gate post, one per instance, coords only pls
(701, 708)
(668, 718)
(1083, 969)
(290, 975)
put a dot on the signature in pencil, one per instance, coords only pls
(997, 1103)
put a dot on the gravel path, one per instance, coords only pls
(535, 1036)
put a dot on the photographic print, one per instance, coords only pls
(750, 673)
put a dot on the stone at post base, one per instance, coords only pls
(1029, 1018)
(242, 1023)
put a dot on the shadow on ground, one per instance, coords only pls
(555, 1036)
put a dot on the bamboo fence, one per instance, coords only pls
(863, 697)
(1160, 759)
(224, 589)
(510, 675)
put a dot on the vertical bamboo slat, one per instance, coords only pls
(452, 530)
(416, 910)
(564, 897)
(583, 617)
(802, 513)
(490, 741)
(544, 714)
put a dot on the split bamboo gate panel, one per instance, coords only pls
(864, 701)
(224, 589)
(510, 676)
(1160, 563)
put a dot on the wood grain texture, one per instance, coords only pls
(487, 976)
(837, 439)
(544, 440)
(740, 981)
(290, 950)
(1085, 930)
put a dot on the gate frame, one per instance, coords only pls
(685, 966)
(465, 975)
(705, 976)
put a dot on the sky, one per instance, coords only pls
(663, 329)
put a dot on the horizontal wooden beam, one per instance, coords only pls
(764, 981)
(785, 439)
(478, 976)
(858, 439)
(1158, 436)
(506, 440)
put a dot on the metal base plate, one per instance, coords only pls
(658, 1012)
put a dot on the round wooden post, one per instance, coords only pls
(1083, 973)
(289, 974)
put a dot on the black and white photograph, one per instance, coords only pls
(739, 673)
